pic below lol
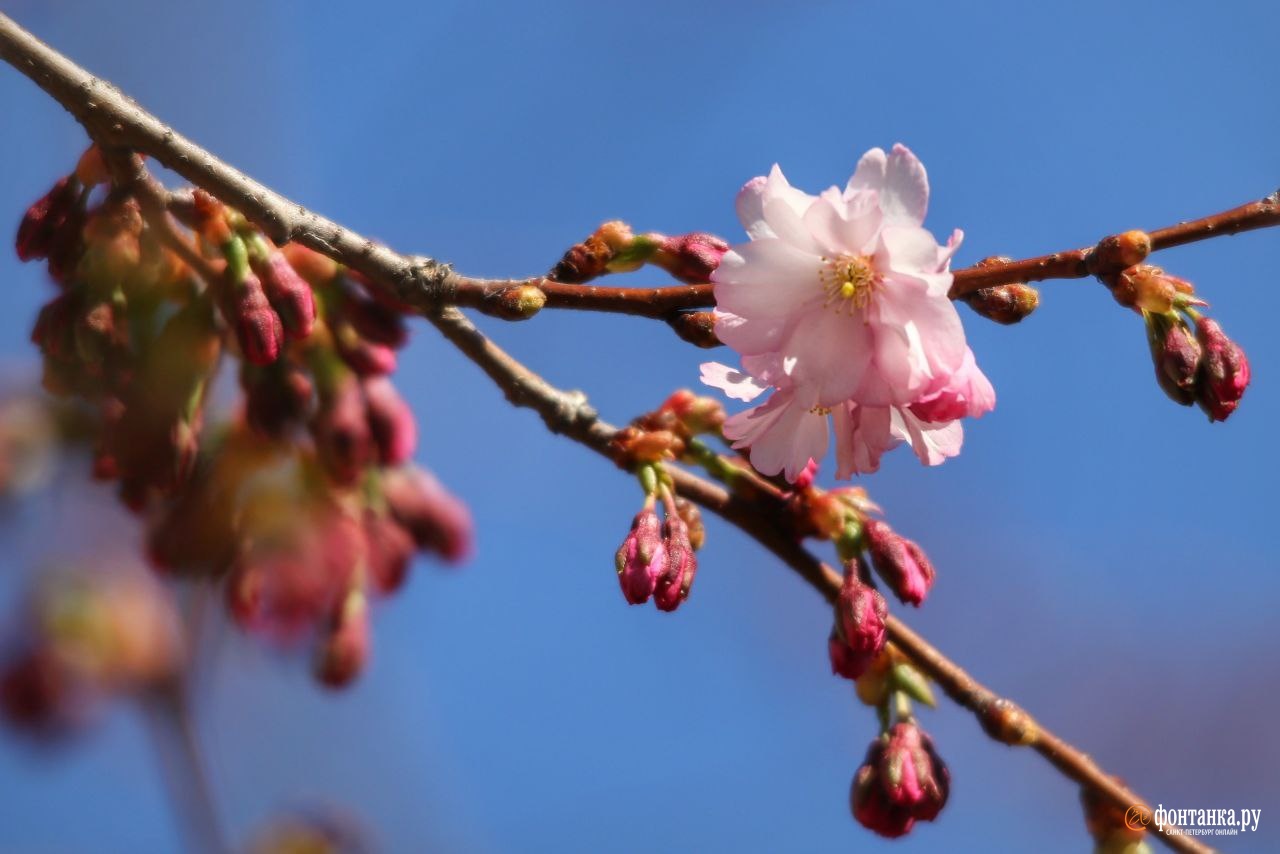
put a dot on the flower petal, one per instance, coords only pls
(870, 174)
(905, 199)
(735, 384)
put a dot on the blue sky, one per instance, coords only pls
(1105, 557)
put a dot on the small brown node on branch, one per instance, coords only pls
(1005, 304)
(519, 303)
(1006, 722)
(696, 327)
(1118, 251)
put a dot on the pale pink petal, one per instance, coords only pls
(735, 384)
(870, 174)
(784, 209)
(750, 205)
(781, 435)
(760, 288)
(929, 321)
(830, 351)
(906, 249)
(948, 252)
(843, 229)
(933, 443)
(863, 435)
(905, 198)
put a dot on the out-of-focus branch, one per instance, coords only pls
(171, 726)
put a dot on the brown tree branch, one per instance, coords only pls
(115, 121)
(762, 518)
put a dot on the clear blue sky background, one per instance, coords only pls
(1105, 557)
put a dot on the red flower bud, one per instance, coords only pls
(374, 321)
(1176, 355)
(437, 520)
(691, 257)
(861, 612)
(257, 326)
(902, 781)
(642, 557)
(364, 357)
(390, 552)
(290, 296)
(52, 214)
(395, 431)
(1224, 371)
(900, 562)
(682, 565)
(341, 431)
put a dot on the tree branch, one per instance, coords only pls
(115, 121)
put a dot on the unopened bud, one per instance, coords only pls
(289, 294)
(691, 257)
(394, 428)
(591, 258)
(642, 557)
(389, 551)
(315, 268)
(1006, 722)
(46, 219)
(1224, 371)
(861, 613)
(1111, 825)
(341, 430)
(692, 516)
(91, 169)
(900, 562)
(374, 321)
(696, 327)
(677, 577)
(365, 357)
(1115, 253)
(1151, 289)
(257, 326)
(1005, 304)
(519, 303)
(438, 520)
(1175, 352)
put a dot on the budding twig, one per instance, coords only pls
(116, 122)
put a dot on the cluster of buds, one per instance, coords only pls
(1006, 304)
(1203, 366)
(844, 516)
(657, 560)
(669, 432)
(613, 248)
(901, 781)
(303, 500)
(86, 637)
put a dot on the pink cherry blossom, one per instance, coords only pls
(839, 304)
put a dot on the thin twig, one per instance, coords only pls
(172, 727)
(115, 121)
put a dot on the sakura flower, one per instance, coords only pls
(839, 304)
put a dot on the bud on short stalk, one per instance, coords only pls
(1224, 371)
(900, 562)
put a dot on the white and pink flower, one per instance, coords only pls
(839, 304)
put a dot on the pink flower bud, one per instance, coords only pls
(257, 326)
(364, 357)
(38, 694)
(438, 521)
(374, 321)
(682, 565)
(1224, 371)
(845, 661)
(290, 296)
(901, 781)
(862, 612)
(344, 652)
(341, 431)
(913, 775)
(642, 558)
(45, 219)
(691, 257)
(395, 430)
(53, 332)
(390, 552)
(1176, 355)
(900, 562)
